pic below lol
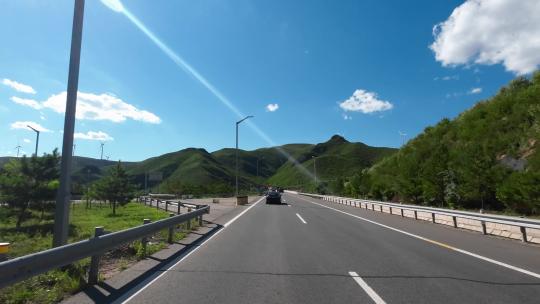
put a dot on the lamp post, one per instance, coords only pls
(315, 168)
(37, 138)
(237, 123)
(257, 168)
(61, 216)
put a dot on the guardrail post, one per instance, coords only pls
(381, 208)
(166, 205)
(372, 207)
(390, 210)
(454, 219)
(415, 215)
(157, 204)
(402, 215)
(144, 239)
(178, 208)
(200, 217)
(171, 231)
(189, 221)
(433, 217)
(93, 272)
(484, 230)
(523, 234)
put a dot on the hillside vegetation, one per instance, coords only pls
(196, 171)
(332, 161)
(487, 158)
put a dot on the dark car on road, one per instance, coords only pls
(273, 197)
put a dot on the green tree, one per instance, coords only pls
(115, 187)
(521, 192)
(29, 182)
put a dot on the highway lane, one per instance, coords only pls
(307, 253)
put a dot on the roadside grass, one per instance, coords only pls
(35, 234)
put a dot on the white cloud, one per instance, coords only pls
(26, 140)
(101, 107)
(19, 87)
(272, 107)
(446, 78)
(91, 135)
(491, 32)
(24, 125)
(27, 102)
(365, 102)
(475, 91)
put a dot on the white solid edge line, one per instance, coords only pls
(371, 293)
(303, 221)
(192, 251)
(515, 268)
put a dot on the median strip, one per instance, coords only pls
(370, 292)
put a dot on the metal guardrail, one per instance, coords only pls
(18, 269)
(523, 224)
(151, 201)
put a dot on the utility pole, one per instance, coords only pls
(37, 139)
(61, 217)
(236, 156)
(315, 168)
(102, 144)
(145, 182)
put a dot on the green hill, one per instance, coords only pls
(486, 157)
(337, 158)
(269, 160)
(188, 167)
(197, 171)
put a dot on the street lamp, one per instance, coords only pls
(258, 166)
(315, 168)
(37, 138)
(61, 216)
(102, 144)
(237, 123)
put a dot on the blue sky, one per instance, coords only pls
(362, 69)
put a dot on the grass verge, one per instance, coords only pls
(35, 234)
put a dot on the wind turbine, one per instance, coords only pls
(403, 135)
(102, 144)
(18, 147)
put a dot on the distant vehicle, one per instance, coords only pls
(273, 197)
(280, 190)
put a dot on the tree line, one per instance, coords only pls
(30, 184)
(486, 158)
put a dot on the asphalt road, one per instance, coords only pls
(311, 251)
